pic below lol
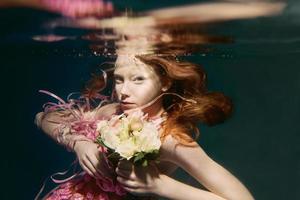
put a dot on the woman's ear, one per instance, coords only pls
(167, 83)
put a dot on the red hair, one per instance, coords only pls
(189, 81)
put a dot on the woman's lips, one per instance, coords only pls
(127, 104)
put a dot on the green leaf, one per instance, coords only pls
(100, 141)
(138, 156)
(145, 163)
(152, 156)
(113, 155)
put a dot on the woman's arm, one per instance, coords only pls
(90, 158)
(176, 190)
(220, 182)
(52, 124)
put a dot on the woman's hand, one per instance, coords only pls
(91, 159)
(139, 180)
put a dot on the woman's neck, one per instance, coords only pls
(155, 110)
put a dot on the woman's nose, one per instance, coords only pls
(124, 92)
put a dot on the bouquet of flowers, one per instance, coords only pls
(130, 137)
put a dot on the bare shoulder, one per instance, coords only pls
(171, 144)
(172, 151)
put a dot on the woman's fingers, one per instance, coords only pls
(86, 169)
(124, 173)
(125, 169)
(127, 183)
(95, 162)
(125, 165)
(98, 165)
(90, 167)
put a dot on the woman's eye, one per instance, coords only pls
(138, 79)
(118, 81)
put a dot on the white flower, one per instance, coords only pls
(110, 140)
(148, 139)
(129, 135)
(127, 148)
(136, 125)
(124, 129)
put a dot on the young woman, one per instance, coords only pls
(163, 87)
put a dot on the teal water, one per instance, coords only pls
(258, 70)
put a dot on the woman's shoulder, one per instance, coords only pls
(168, 147)
(171, 147)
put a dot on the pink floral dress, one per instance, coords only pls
(82, 186)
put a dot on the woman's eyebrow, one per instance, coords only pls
(129, 74)
(117, 76)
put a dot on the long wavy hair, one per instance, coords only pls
(196, 105)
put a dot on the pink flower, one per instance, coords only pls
(77, 196)
(89, 196)
(103, 196)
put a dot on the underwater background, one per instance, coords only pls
(259, 70)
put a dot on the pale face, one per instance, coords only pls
(136, 83)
